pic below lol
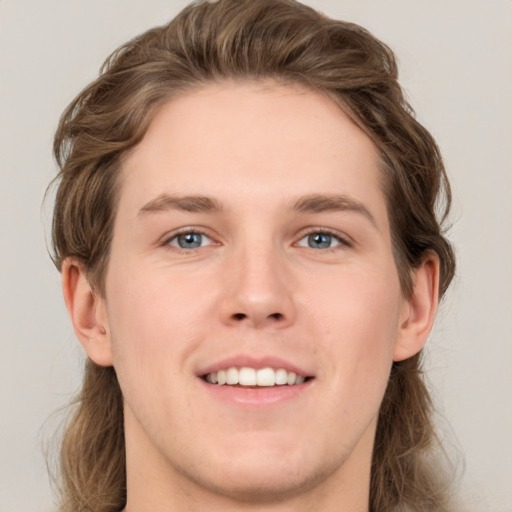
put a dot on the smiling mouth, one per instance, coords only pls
(252, 377)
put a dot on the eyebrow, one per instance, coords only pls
(314, 203)
(318, 203)
(194, 204)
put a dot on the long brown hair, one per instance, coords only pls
(287, 42)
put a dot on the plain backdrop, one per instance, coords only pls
(456, 66)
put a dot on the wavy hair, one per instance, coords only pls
(286, 42)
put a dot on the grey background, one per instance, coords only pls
(456, 65)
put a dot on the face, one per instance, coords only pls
(252, 245)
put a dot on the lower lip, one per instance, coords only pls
(257, 397)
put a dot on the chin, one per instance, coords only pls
(261, 484)
(264, 476)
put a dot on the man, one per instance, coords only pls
(251, 259)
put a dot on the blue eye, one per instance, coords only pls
(320, 240)
(190, 240)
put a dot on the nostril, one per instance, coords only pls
(238, 317)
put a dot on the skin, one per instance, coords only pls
(255, 287)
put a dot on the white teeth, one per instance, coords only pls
(232, 376)
(292, 377)
(281, 377)
(247, 377)
(265, 377)
(221, 377)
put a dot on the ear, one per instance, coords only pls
(87, 311)
(419, 311)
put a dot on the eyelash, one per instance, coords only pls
(341, 240)
(184, 231)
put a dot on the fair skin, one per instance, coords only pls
(251, 231)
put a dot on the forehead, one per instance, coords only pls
(258, 140)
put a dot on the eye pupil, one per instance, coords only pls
(190, 240)
(319, 241)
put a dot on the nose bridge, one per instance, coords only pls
(258, 291)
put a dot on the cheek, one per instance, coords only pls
(355, 303)
(158, 317)
(154, 326)
(152, 313)
(358, 315)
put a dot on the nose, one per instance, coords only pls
(258, 290)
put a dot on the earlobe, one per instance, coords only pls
(87, 312)
(419, 311)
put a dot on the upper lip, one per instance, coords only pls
(241, 361)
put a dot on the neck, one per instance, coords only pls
(185, 496)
